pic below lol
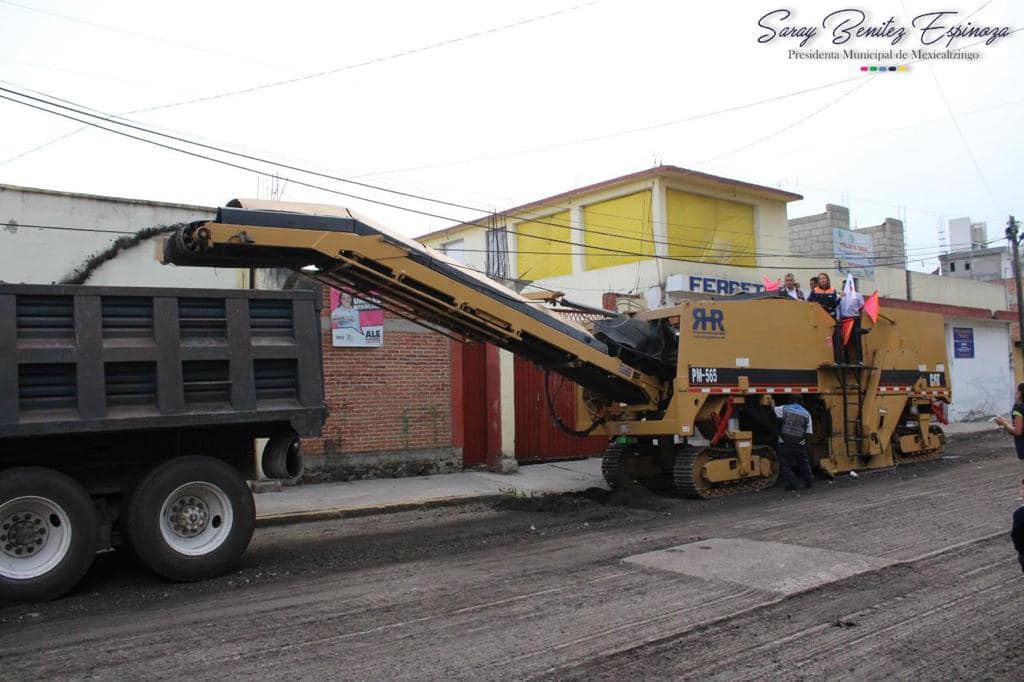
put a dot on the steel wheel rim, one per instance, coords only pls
(196, 518)
(35, 537)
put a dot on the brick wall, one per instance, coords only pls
(390, 407)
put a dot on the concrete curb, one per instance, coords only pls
(291, 518)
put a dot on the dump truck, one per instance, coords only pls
(130, 416)
(685, 394)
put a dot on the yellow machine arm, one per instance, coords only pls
(339, 248)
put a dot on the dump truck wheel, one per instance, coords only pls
(48, 528)
(191, 518)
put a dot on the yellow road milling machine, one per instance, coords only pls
(685, 393)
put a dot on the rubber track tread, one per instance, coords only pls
(611, 466)
(917, 457)
(684, 479)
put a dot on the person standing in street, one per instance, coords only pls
(789, 288)
(1015, 427)
(794, 461)
(1017, 532)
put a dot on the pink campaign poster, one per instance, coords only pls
(355, 322)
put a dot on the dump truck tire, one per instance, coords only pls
(191, 518)
(282, 458)
(48, 529)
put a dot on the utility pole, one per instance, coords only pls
(1012, 228)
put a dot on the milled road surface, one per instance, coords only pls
(553, 588)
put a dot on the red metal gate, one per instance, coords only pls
(472, 401)
(537, 438)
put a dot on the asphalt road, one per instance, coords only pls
(908, 574)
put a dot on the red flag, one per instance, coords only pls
(847, 329)
(771, 286)
(871, 306)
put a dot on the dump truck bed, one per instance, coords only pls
(77, 359)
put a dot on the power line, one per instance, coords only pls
(629, 131)
(702, 247)
(306, 77)
(952, 116)
(87, 74)
(231, 164)
(791, 125)
(78, 109)
(367, 62)
(107, 116)
(931, 250)
(82, 110)
(145, 36)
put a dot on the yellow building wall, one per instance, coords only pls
(622, 225)
(710, 230)
(543, 247)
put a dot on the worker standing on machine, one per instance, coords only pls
(796, 426)
(848, 314)
(828, 298)
(790, 289)
(824, 295)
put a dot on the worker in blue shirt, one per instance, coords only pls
(792, 449)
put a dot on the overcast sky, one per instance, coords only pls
(508, 116)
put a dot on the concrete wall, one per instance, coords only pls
(936, 289)
(889, 244)
(42, 255)
(812, 235)
(982, 385)
(986, 265)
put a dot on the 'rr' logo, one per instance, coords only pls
(708, 321)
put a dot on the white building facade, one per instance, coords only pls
(48, 236)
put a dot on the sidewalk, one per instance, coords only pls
(356, 498)
(320, 501)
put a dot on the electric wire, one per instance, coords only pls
(703, 247)
(621, 133)
(145, 36)
(230, 164)
(305, 77)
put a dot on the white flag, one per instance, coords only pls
(852, 301)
